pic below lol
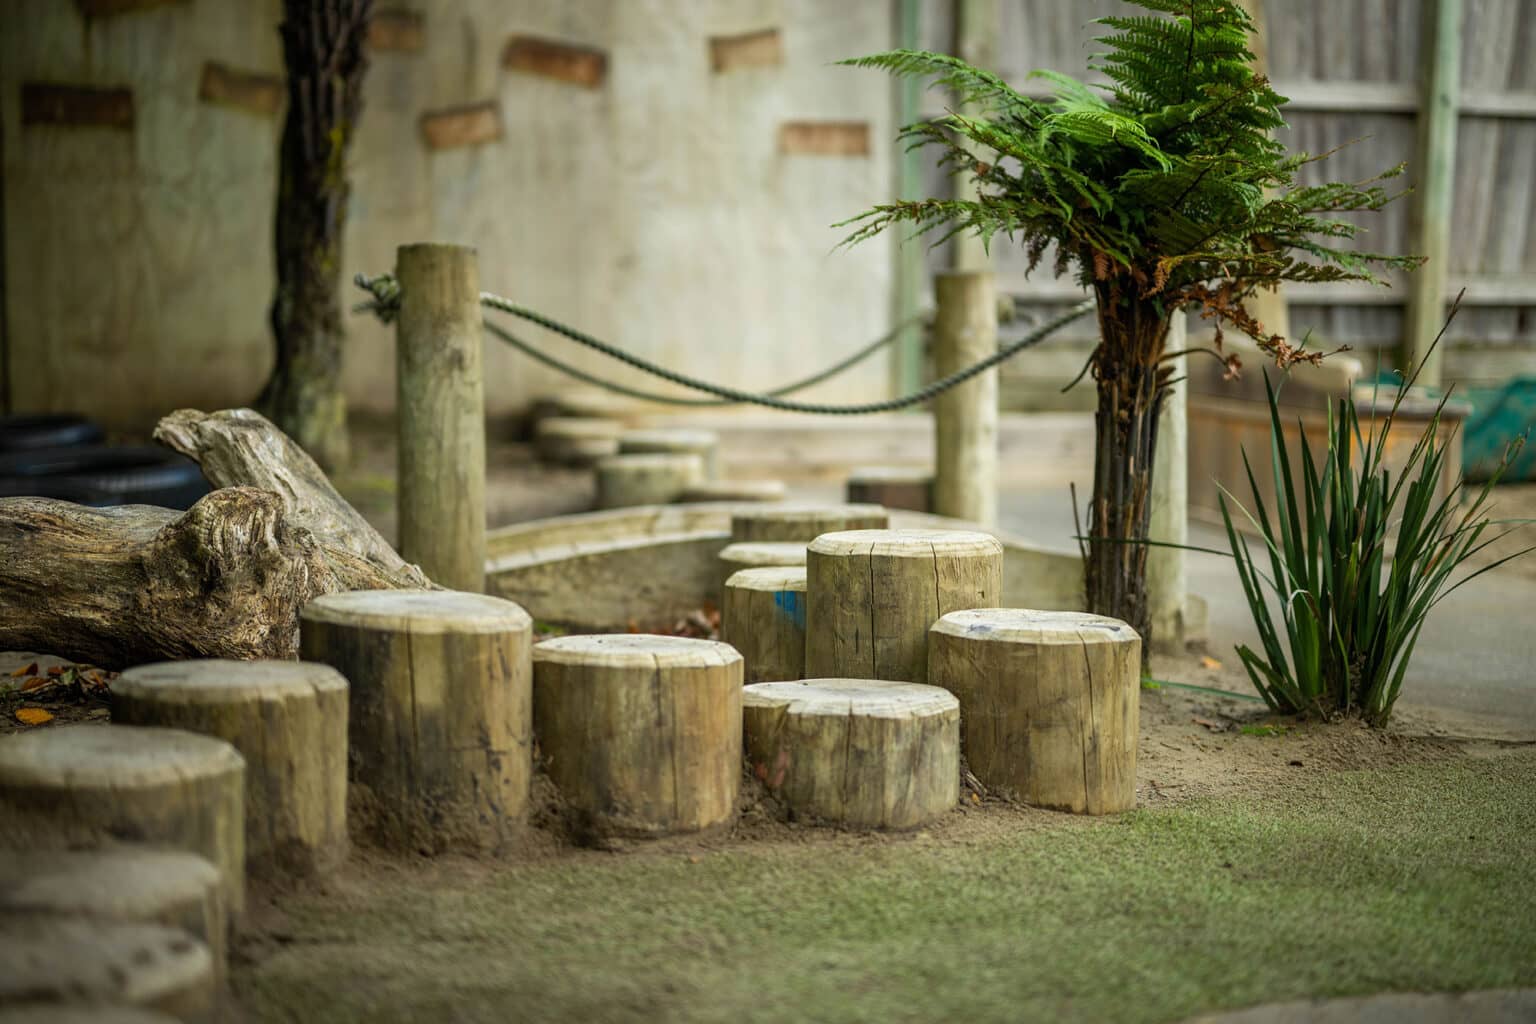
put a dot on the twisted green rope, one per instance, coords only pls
(386, 303)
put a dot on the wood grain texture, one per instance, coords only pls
(123, 586)
(161, 786)
(1048, 703)
(641, 734)
(440, 745)
(149, 967)
(861, 753)
(804, 523)
(121, 883)
(757, 555)
(762, 615)
(242, 448)
(871, 596)
(657, 478)
(440, 409)
(965, 417)
(289, 721)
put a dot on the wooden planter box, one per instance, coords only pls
(1228, 418)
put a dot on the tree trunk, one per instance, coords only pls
(1131, 386)
(323, 55)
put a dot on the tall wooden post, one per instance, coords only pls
(1433, 172)
(441, 410)
(976, 31)
(1167, 577)
(1268, 306)
(965, 417)
(907, 352)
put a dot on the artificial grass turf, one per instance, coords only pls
(1420, 878)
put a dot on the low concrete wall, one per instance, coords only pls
(648, 566)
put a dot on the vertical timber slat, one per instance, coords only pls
(441, 415)
(965, 417)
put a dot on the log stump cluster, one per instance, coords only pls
(675, 441)
(803, 523)
(861, 753)
(758, 555)
(153, 785)
(640, 734)
(646, 479)
(288, 720)
(1048, 703)
(440, 723)
(871, 596)
(763, 617)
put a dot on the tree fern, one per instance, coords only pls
(1162, 189)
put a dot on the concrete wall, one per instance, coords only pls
(656, 210)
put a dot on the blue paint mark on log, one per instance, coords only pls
(791, 603)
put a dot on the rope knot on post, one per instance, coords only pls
(386, 296)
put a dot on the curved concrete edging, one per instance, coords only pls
(652, 564)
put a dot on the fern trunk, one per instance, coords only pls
(1131, 386)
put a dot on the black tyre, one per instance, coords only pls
(135, 475)
(51, 430)
(61, 488)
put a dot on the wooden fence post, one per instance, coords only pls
(1434, 173)
(441, 410)
(1167, 577)
(965, 417)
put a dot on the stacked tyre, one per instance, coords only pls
(64, 457)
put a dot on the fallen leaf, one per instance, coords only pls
(27, 670)
(1213, 726)
(1210, 662)
(33, 716)
(55, 670)
(37, 683)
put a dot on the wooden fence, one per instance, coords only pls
(1352, 70)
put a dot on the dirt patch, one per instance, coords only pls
(40, 690)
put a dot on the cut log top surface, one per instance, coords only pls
(126, 881)
(649, 461)
(1027, 625)
(579, 426)
(634, 650)
(666, 440)
(213, 680)
(113, 755)
(52, 956)
(866, 698)
(808, 514)
(765, 552)
(907, 543)
(418, 611)
(772, 578)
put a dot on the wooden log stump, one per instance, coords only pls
(675, 441)
(763, 617)
(161, 786)
(757, 555)
(660, 479)
(734, 490)
(576, 440)
(440, 724)
(863, 753)
(804, 523)
(871, 596)
(903, 487)
(74, 960)
(641, 734)
(121, 883)
(1048, 702)
(288, 719)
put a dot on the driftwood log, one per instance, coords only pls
(225, 579)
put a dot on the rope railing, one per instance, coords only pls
(385, 304)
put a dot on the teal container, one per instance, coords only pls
(1499, 415)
